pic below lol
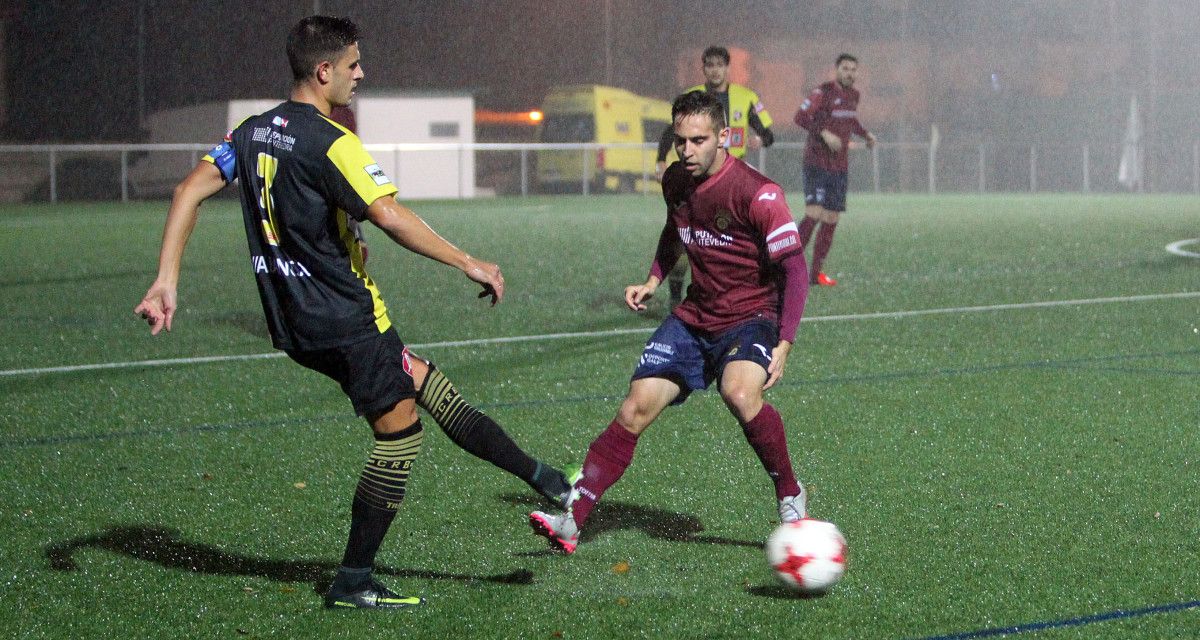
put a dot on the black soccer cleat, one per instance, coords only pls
(555, 485)
(369, 595)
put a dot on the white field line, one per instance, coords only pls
(614, 332)
(1177, 248)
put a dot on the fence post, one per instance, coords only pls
(53, 176)
(982, 170)
(587, 169)
(124, 176)
(1196, 167)
(524, 172)
(396, 169)
(645, 175)
(932, 167)
(1087, 169)
(1032, 168)
(875, 167)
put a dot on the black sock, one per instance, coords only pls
(379, 494)
(473, 431)
(549, 481)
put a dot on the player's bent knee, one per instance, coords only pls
(397, 419)
(744, 400)
(633, 419)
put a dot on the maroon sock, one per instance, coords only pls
(806, 228)
(824, 241)
(765, 433)
(607, 459)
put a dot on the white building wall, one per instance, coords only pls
(409, 118)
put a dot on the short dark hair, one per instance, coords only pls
(842, 58)
(720, 52)
(699, 103)
(318, 39)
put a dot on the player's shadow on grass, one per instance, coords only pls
(780, 592)
(656, 523)
(162, 546)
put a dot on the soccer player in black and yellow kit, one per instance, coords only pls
(302, 178)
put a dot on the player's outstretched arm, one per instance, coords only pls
(637, 294)
(408, 230)
(158, 306)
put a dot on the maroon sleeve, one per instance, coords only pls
(795, 292)
(808, 115)
(669, 248)
(859, 130)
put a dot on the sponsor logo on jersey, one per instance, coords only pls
(759, 107)
(377, 174)
(279, 121)
(782, 243)
(769, 195)
(703, 238)
(279, 266)
(737, 115)
(274, 138)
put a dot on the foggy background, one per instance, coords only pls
(1019, 72)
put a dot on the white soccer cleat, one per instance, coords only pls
(794, 508)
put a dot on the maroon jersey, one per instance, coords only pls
(735, 227)
(834, 107)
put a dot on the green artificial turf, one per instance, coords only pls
(997, 405)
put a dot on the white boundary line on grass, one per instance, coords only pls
(614, 332)
(1177, 248)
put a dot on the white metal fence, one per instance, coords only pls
(149, 171)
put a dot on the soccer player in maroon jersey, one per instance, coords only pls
(743, 109)
(736, 325)
(830, 115)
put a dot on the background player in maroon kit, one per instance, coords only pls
(736, 325)
(830, 115)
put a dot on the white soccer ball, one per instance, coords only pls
(807, 555)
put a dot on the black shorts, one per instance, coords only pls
(826, 189)
(376, 373)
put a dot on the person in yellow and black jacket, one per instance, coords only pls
(744, 110)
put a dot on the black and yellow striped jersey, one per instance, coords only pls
(301, 177)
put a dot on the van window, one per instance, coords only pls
(568, 128)
(652, 130)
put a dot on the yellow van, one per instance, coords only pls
(596, 113)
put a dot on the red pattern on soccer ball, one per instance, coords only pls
(794, 563)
